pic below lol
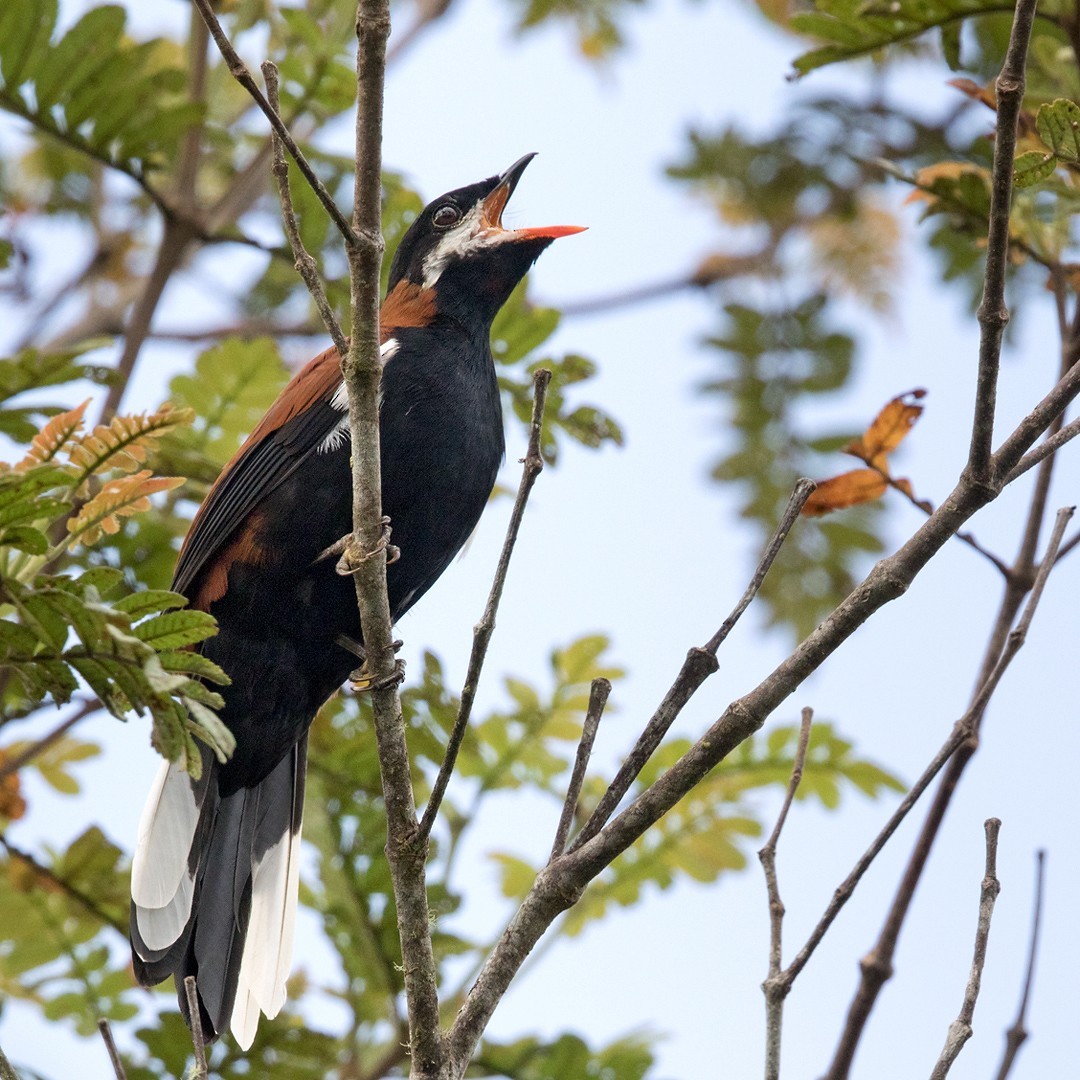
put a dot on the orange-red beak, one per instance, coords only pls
(495, 204)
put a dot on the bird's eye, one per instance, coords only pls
(446, 216)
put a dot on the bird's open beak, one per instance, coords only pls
(495, 204)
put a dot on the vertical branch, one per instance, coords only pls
(775, 987)
(960, 1028)
(6, 1070)
(1017, 1034)
(405, 850)
(198, 1040)
(993, 313)
(598, 695)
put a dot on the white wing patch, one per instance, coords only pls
(340, 401)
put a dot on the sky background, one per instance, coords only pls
(636, 543)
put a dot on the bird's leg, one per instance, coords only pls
(363, 679)
(351, 557)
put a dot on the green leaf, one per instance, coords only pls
(175, 629)
(147, 601)
(1058, 124)
(1032, 168)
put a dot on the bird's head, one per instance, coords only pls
(459, 247)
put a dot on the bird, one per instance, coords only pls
(214, 879)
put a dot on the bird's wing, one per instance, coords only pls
(295, 425)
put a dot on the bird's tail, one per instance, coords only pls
(214, 887)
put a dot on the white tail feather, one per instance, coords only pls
(267, 957)
(159, 927)
(244, 1021)
(166, 830)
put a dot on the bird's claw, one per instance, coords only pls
(352, 558)
(363, 680)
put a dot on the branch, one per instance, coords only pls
(110, 1046)
(1045, 449)
(700, 663)
(305, 265)
(198, 1040)
(429, 12)
(406, 851)
(774, 987)
(960, 1029)
(239, 71)
(1017, 1034)
(993, 314)
(598, 695)
(876, 966)
(13, 765)
(533, 465)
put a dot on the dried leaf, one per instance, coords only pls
(847, 489)
(118, 498)
(888, 431)
(12, 804)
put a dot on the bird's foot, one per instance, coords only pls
(352, 558)
(363, 679)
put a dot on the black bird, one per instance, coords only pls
(214, 879)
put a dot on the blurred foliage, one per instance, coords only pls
(811, 248)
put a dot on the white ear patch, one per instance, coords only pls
(340, 401)
(468, 235)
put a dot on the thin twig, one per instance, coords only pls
(876, 966)
(1016, 1036)
(198, 1040)
(1045, 449)
(305, 265)
(110, 1046)
(240, 73)
(699, 664)
(960, 1029)
(774, 987)
(993, 314)
(533, 465)
(598, 695)
(13, 765)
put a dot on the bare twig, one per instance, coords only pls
(1045, 449)
(774, 987)
(533, 465)
(1017, 1035)
(110, 1046)
(305, 265)
(198, 1040)
(700, 663)
(13, 765)
(993, 314)
(876, 966)
(960, 1029)
(598, 695)
(240, 73)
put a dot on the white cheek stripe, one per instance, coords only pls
(469, 235)
(340, 401)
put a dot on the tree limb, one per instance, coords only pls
(774, 987)
(110, 1047)
(1017, 1035)
(960, 1029)
(993, 314)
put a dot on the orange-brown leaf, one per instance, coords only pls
(847, 489)
(12, 804)
(122, 497)
(985, 94)
(888, 431)
(49, 441)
